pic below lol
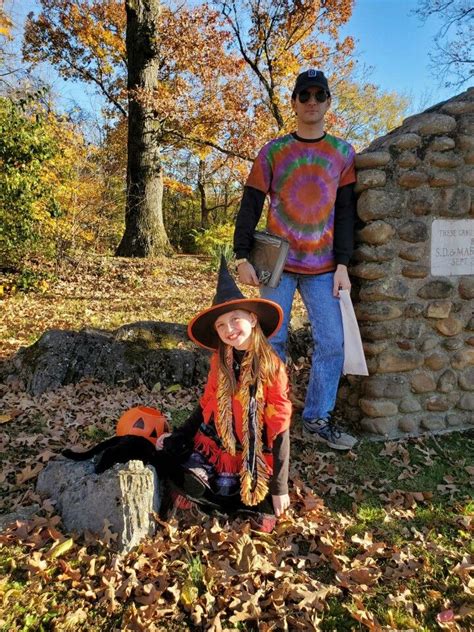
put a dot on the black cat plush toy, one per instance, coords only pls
(137, 432)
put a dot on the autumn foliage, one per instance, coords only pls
(54, 198)
(219, 106)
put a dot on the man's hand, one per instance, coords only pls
(280, 504)
(247, 274)
(341, 280)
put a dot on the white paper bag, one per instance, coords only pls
(354, 358)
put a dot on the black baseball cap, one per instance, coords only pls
(310, 79)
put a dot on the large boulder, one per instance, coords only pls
(140, 353)
(122, 499)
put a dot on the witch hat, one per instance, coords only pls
(227, 298)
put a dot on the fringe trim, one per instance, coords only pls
(220, 460)
(253, 488)
(224, 418)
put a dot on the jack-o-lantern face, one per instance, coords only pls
(142, 421)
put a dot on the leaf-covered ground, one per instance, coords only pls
(378, 539)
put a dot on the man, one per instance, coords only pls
(309, 176)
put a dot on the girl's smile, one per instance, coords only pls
(235, 328)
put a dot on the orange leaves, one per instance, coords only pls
(84, 40)
(29, 472)
(5, 25)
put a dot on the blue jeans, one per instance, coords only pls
(326, 324)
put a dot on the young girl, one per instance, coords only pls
(240, 430)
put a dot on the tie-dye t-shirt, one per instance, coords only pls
(302, 179)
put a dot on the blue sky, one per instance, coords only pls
(396, 44)
(390, 39)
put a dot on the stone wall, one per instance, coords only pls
(418, 329)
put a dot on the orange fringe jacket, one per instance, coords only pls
(276, 419)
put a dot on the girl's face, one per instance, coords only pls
(235, 328)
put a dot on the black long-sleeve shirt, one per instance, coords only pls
(251, 208)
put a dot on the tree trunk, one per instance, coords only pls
(202, 194)
(145, 233)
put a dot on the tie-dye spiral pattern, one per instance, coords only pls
(302, 179)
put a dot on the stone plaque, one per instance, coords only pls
(452, 247)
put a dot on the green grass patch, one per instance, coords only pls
(337, 618)
(178, 416)
(96, 434)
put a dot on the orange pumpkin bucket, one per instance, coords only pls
(142, 421)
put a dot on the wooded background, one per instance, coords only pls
(191, 91)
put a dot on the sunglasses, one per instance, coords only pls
(305, 95)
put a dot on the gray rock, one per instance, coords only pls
(430, 123)
(458, 107)
(452, 202)
(454, 419)
(443, 179)
(437, 403)
(126, 496)
(433, 422)
(22, 513)
(145, 352)
(409, 405)
(466, 288)
(412, 328)
(466, 379)
(407, 160)
(378, 312)
(466, 124)
(468, 177)
(384, 426)
(412, 253)
(377, 233)
(379, 331)
(436, 360)
(421, 201)
(407, 141)
(453, 344)
(413, 231)
(412, 179)
(378, 408)
(445, 160)
(436, 289)
(415, 271)
(430, 343)
(422, 383)
(398, 361)
(466, 402)
(385, 386)
(447, 381)
(370, 178)
(442, 143)
(408, 424)
(388, 289)
(372, 159)
(466, 142)
(439, 309)
(450, 326)
(374, 254)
